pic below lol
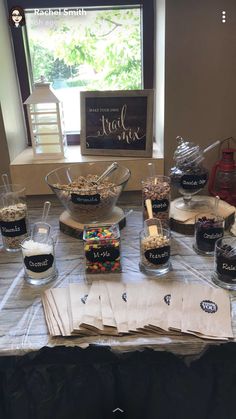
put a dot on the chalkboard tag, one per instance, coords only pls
(39, 263)
(208, 236)
(103, 254)
(192, 182)
(13, 228)
(85, 199)
(158, 256)
(160, 205)
(227, 268)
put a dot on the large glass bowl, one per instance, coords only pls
(86, 201)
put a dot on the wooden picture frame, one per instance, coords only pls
(118, 123)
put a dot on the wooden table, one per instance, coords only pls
(22, 323)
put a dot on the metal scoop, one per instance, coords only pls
(107, 172)
(8, 195)
(41, 230)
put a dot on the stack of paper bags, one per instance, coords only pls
(150, 307)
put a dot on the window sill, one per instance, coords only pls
(28, 171)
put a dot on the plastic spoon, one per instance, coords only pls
(125, 215)
(9, 198)
(6, 182)
(216, 205)
(152, 172)
(41, 229)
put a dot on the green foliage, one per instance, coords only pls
(103, 53)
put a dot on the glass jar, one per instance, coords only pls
(39, 260)
(188, 175)
(225, 263)
(209, 228)
(157, 188)
(155, 252)
(13, 217)
(102, 249)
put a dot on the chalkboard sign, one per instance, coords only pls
(117, 123)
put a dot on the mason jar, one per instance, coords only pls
(13, 217)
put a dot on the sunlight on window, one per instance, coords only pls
(101, 50)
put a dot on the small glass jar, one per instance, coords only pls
(155, 252)
(102, 249)
(208, 229)
(225, 263)
(13, 217)
(39, 260)
(157, 188)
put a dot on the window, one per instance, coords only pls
(97, 47)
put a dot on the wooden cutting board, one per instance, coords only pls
(183, 221)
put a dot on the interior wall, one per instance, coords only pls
(200, 74)
(9, 92)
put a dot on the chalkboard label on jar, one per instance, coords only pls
(158, 256)
(85, 199)
(226, 267)
(39, 263)
(208, 236)
(13, 228)
(192, 182)
(159, 205)
(103, 254)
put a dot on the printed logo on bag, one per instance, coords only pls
(103, 254)
(158, 256)
(208, 306)
(124, 296)
(84, 298)
(167, 299)
(39, 263)
(193, 181)
(85, 199)
(13, 228)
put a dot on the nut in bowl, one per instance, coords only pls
(85, 198)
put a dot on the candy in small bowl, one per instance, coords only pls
(87, 198)
(209, 228)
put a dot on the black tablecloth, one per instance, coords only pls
(74, 383)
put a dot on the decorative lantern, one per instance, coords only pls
(46, 122)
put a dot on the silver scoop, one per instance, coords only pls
(41, 230)
(106, 173)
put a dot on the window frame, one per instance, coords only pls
(21, 57)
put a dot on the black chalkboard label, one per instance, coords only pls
(39, 263)
(85, 199)
(116, 122)
(158, 256)
(160, 205)
(206, 237)
(13, 228)
(103, 254)
(227, 268)
(193, 182)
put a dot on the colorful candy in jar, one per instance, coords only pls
(102, 249)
